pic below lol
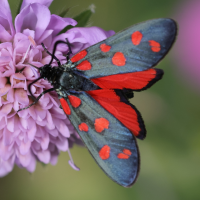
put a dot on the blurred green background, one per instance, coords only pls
(169, 155)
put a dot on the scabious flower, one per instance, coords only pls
(42, 131)
(187, 47)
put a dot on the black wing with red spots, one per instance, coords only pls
(111, 144)
(134, 49)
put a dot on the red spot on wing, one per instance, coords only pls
(75, 101)
(101, 124)
(122, 111)
(125, 155)
(85, 65)
(65, 106)
(83, 127)
(155, 46)
(122, 156)
(104, 47)
(127, 152)
(104, 153)
(134, 80)
(136, 37)
(79, 56)
(119, 59)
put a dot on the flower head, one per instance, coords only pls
(42, 131)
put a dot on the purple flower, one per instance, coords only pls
(42, 131)
(187, 48)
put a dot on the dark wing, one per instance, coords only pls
(134, 49)
(111, 144)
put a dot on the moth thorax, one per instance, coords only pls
(69, 80)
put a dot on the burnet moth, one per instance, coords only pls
(95, 84)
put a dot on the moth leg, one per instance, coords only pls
(29, 88)
(37, 99)
(52, 55)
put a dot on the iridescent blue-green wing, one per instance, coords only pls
(134, 49)
(111, 144)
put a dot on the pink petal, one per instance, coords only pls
(85, 36)
(50, 124)
(11, 124)
(54, 159)
(24, 147)
(18, 80)
(10, 95)
(6, 166)
(57, 23)
(53, 132)
(44, 156)
(42, 138)
(35, 17)
(46, 38)
(5, 109)
(3, 82)
(31, 133)
(62, 128)
(28, 73)
(24, 159)
(2, 123)
(5, 153)
(62, 144)
(40, 112)
(21, 96)
(4, 35)
(7, 137)
(43, 2)
(6, 14)
(32, 165)
(24, 123)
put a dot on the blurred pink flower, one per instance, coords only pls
(187, 47)
(42, 131)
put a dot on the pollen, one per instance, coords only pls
(32, 40)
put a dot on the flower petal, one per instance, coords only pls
(21, 96)
(34, 17)
(24, 159)
(57, 23)
(44, 156)
(7, 137)
(3, 82)
(5, 14)
(6, 166)
(83, 37)
(18, 80)
(43, 2)
(24, 147)
(62, 128)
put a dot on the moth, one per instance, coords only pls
(94, 85)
